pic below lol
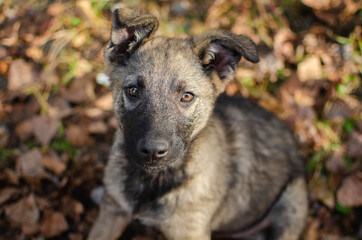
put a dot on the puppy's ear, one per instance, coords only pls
(220, 51)
(130, 29)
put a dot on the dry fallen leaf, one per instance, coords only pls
(323, 4)
(54, 163)
(6, 194)
(311, 232)
(335, 163)
(338, 109)
(45, 128)
(349, 194)
(80, 90)
(30, 164)
(59, 107)
(319, 191)
(11, 176)
(24, 213)
(53, 224)
(105, 102)
(20, 75)
(72, 208)
(93, 113)
(4, 136)
(97, 127)
(354, 145)
(77, 135)
(310, 69)
(24, 129)
(283, 44)
(303, 97)
(75, 236)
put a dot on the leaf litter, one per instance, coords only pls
(56, 121)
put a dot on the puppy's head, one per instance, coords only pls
(164, 89)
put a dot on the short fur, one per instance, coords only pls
(215, 164)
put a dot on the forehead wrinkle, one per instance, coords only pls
(164, 61)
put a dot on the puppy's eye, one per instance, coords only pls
(187, 97)
(133, 91)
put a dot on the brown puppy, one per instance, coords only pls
(186, 160)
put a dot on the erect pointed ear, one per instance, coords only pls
(130, 29)
(220, 51)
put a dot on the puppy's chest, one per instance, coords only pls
(146, 192)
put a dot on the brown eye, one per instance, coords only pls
(133, 91)
(187, 97)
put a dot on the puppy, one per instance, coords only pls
(187, 159)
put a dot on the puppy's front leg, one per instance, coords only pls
(110, 223)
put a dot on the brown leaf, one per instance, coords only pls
(54, 163)
(354, 145)
(310, 69)
(45, 128)
(94, 113)
(349, 194)
(335, 163)
(48, 78)
(105, 102)
(55, 9)
(72, 208)
(11, 176)
(23, 213)
(338, 109)
(24, 129)
(320, 191)
(34, 52)
(4, 136)
(20, 75)
(302, 97)
(75, 236)
(283, 44)
(77, 135)
(97, 127)
(53, 224)
(80, 90)
(59, 107)
(30, 164)
(86, 10)
(311, 230)
(333, 236)
(323, 4)
(6, 194)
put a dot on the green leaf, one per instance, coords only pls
(317, 157)
(341, 89)
(75, 21)
(348, 125)
(31, 144)
(348, 161)
(343, 209)
(60, 145)
(4, 154)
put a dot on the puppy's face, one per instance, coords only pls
(164, 89)
(162, 98)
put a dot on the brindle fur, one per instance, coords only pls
(229, 163)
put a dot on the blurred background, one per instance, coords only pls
(56, 121)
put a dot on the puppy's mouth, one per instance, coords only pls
(151, 164)
(152, 167)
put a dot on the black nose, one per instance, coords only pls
(152, 148)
